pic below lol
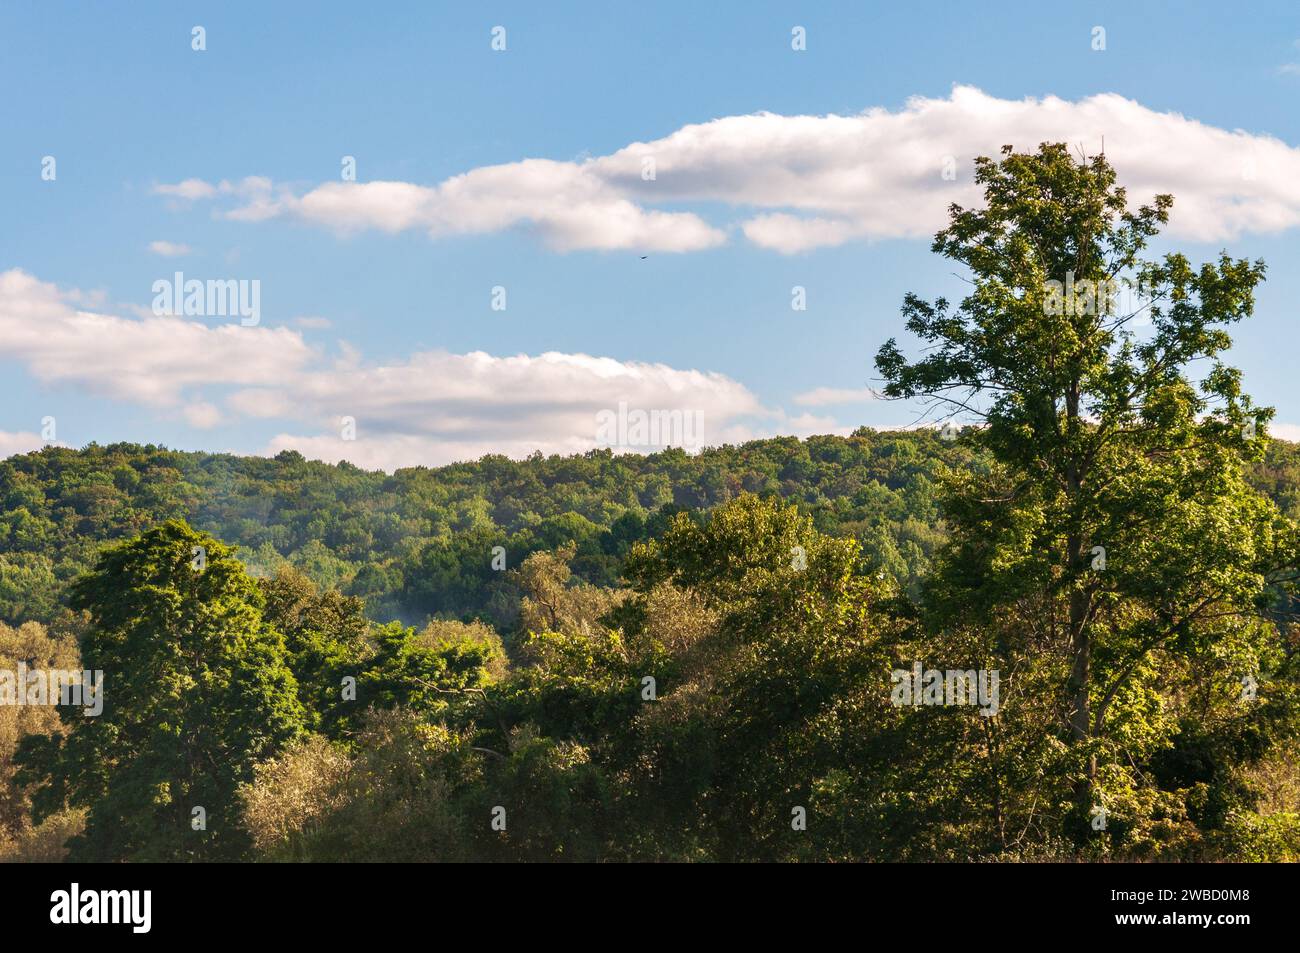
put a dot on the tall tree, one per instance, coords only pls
(196, 690)
(1117, 528)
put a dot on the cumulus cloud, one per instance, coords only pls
(561, 202)
(169, 249)
(392, 451)
(803, 182)
(20, 442)
(202, 415)
(431, 408)
(443, 406)
(825, 396)
(190, 190)
(156, 361)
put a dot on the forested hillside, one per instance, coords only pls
(418, 543)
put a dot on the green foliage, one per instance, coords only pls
(417, 544)
(1115, 551)
(197, 689)
(326, 636)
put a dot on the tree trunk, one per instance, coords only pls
(1077, 553)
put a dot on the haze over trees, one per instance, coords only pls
(692, 657)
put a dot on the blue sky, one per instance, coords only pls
(396, 288)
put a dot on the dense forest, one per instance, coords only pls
(390, 578)
(708, 656)
(416, 544)
(412, 545)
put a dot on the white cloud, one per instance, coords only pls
(811, 181)
(434, 407)
(20, 442)
(805, 425)
(1289, 432)
(155, 361)
(790, 234)
(448, 406)
(169, 249)
(824, 396)
(190, 190)
(561, 202)
(391, 451)
(202, 415)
